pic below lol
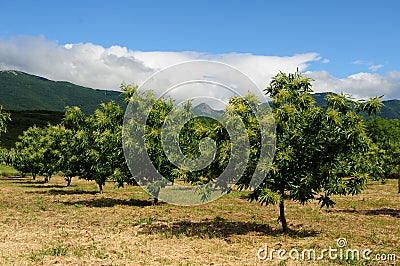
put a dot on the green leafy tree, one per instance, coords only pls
(49, 143)
(153, 112)
(157, 110)
(238, 148)
(25, 157)
(4, 118)
(72, 146)
(386, 134)
(320, 152)
(103, 157)
(37, 151)
(190, 141)
(62, 153)
(4, 156)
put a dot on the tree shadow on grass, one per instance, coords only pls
(62, 192)
(219, 228)
(383, 211)
(39, 185)
(110, 202)
(12, 177)
(23, 179)
(28, 182)
(35, 183)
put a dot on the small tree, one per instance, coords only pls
(62, 152)
(37, 151)
(103, 157)
(4, 118)
(25, 157)
(50, 139)
(157, 110)
(72, 145)
(320, 151)
(386, 134)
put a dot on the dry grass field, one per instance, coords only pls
(50, 224)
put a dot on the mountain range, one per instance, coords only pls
(389, 110)
(21, 91)
(34, 100)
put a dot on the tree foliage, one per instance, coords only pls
(72, 146)
(102, 144)
(386, 134)
(320, 152)
(35, 153)
(86, 146)
(151, 143)
(4, 118)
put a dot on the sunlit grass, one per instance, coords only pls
(49, 223)
(7, 171)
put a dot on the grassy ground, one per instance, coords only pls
(46, 224)
(7, 171)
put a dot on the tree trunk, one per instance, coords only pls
(46, 179)
(282, 217)
(398, 179)
(156, 196)
(33, 176)
(101, 188)
(69, 179)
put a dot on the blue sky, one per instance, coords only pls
(349, 37)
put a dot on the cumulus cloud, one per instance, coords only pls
(95, 66)
(361, 85)
(100, 67)
(84, 64)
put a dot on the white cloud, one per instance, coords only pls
(371, 66)
(84, 64)
(92, 65)
(359, 62)
(95, 66)
(361, 85)
(375, 68)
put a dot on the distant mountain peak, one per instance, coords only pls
(204, 109)
(14, 72)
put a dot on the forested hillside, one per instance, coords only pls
(21, 91)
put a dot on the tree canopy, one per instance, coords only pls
(4, 118)
(320, 152)
(317, 151)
